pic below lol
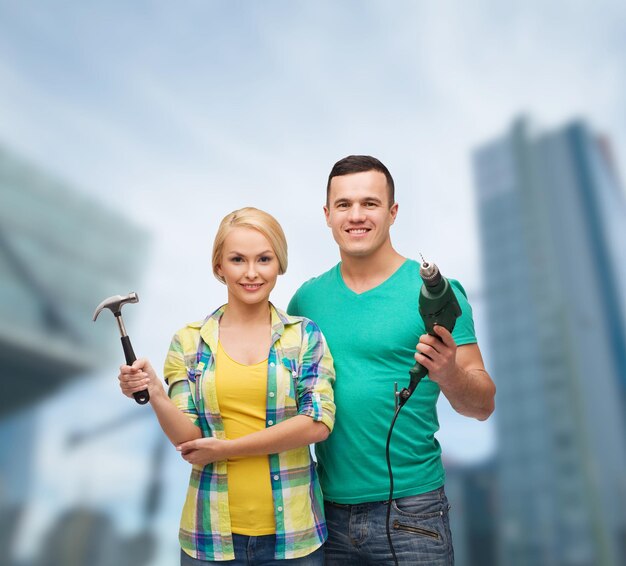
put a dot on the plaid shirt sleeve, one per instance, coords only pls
(317, 377)
(176, 375)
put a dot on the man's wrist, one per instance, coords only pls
(456, 383)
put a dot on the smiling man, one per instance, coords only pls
(367, 308)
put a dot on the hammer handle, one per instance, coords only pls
(142, 397)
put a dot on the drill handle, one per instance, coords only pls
(417, 373)
(142, 397)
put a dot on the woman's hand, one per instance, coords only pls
(203, 451)
(138, 377)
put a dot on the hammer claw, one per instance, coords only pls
(114, 304)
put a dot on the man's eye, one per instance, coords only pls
(370, 204)
(342, 205)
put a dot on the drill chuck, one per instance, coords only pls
(430, 274)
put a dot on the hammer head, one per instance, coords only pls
(115, 304)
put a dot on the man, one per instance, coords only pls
(367, 307)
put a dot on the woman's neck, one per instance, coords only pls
(237, 313)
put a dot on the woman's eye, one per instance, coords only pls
(236, 259)
(265, 259)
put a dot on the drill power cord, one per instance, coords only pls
(438, 305)
(388, 456)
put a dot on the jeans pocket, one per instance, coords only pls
(423, 518)
(424, 506)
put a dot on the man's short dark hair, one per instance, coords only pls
(360, 164)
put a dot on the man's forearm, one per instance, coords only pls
(471, 393)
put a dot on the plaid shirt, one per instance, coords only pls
(299, 382)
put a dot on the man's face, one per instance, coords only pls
(359, 212)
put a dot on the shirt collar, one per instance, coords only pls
(209, 328)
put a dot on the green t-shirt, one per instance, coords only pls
(372, 338)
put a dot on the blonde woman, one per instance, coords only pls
(250, 388)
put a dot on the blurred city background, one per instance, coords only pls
(128, 130)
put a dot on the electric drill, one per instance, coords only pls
(438, 305)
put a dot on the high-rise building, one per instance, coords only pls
(61, 253)
(471, 490)
(553, 227)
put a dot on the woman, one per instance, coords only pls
(249, 389)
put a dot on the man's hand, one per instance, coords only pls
(459, 372)
(438, 355)
(203, 451)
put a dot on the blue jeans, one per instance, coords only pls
(256, 551)
(419, 525)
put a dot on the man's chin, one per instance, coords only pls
(357, 251)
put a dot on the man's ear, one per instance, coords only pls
(327, 215)
(393, 211)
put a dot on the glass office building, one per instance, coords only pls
(471, 490)
(553, 225)
(61, 253)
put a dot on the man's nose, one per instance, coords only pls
(357, 213)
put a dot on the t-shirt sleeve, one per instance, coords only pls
(463, 332)
(293, 307)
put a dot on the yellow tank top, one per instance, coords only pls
(242, 398)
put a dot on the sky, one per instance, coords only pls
(174, 114)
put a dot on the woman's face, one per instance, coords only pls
(248, 265)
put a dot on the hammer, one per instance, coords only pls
(115, 304)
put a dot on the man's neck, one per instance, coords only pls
(362, 273)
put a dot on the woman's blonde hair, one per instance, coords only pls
(255, 219)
